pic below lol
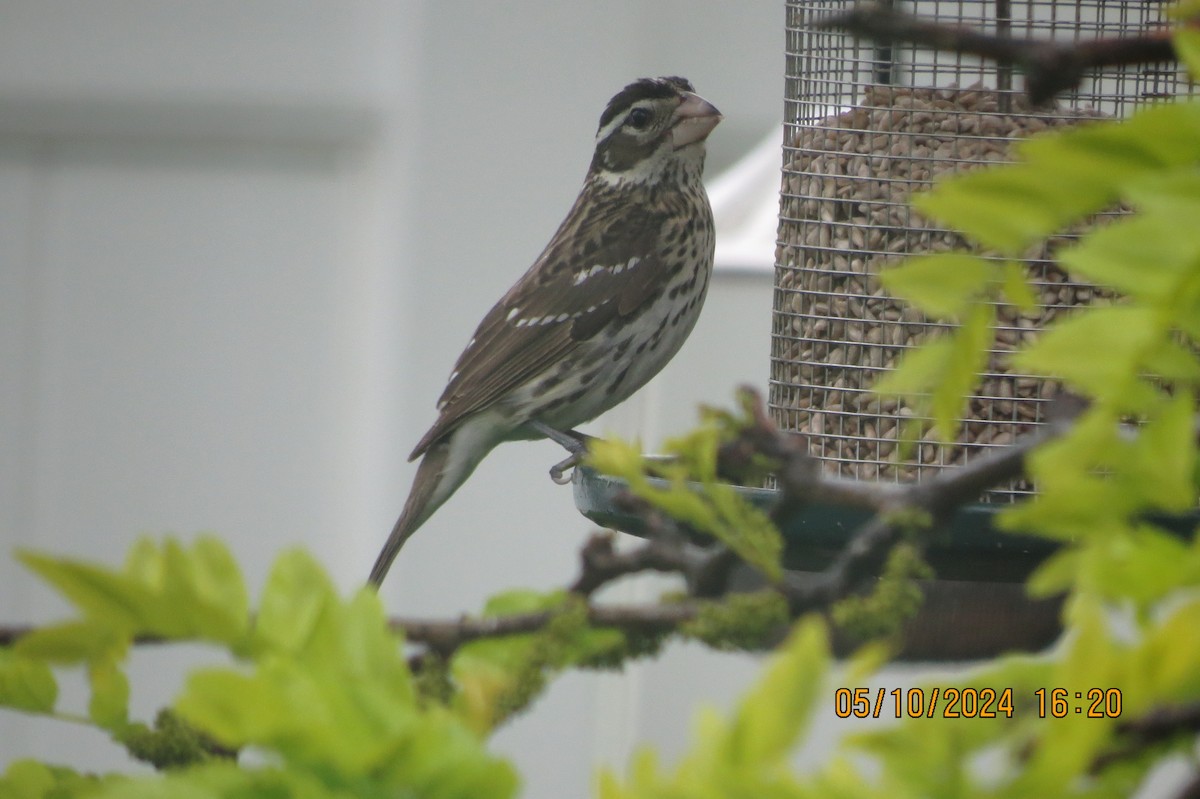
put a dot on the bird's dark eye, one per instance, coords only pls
(639, 118)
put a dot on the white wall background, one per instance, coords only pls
(241, 244)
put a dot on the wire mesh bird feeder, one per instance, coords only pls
(866, 126)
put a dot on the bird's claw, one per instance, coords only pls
(560, 472)
(572, 441)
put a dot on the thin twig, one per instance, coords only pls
(602, 562)
(1154, 727)
(1050, 67)
(445, 636)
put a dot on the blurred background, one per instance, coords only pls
(241, 245)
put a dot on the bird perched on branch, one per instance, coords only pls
(604, 307)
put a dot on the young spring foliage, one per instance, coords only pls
(686, 487)
(1133, 358)
(496, 678)
(319, 686)
(1116, 354)
(748, 753)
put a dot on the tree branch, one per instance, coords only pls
(445, 636)
(1050, 67)
(1155, 727)
(914, 511)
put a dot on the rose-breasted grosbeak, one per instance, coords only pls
(603, 308)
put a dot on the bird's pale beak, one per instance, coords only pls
(694, 120)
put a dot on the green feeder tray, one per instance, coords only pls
(975, 608)
(971, 548)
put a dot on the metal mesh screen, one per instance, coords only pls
(865, 127)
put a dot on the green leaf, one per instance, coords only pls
(227, 781)
(99, 592)
(968, 357)
(1174, 193)
(1186, 40)
(294, 603)
(771, 717)
(109, 705)
(1016, 287)
(1164, 135)
(102, 648)
(330, 692)
(372, 652)
(748, 754)
(695, 496)
(28, 779)
(937, 377)
(498, 677)
(1144, 567)
(166, 590)
(941, 285)
(611, 456)
(237, 709)
(1167, 664)
(919, 370)
(868, 659)
(1162, 459)
(1078, 499)
(1171, 361)
(1068, 350)
(1009, 209)
(747, 530)
(1146, 256)
(1055, 575)
(1067, 747)
(70, 643)
(25, 683)
(1064, 176)
(144, 561)
(1184, 10)
(689, 490)
(206, 584)
(523, 600)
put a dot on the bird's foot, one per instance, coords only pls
(572, 441)
(561, 471)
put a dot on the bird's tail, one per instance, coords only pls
(444, 467)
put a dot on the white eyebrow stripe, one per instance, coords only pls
(620, 119)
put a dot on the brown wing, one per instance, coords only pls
(601, 264)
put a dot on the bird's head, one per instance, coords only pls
(649, 126)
